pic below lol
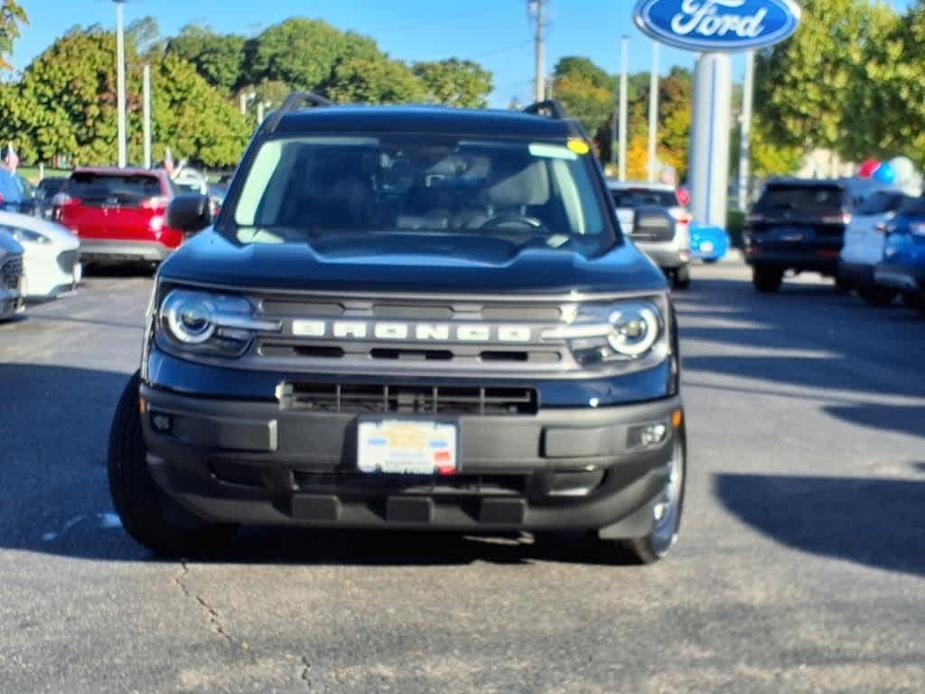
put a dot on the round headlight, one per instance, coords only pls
(189, 317)
(635, 329)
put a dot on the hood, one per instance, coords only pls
(409, 262)
(56, 233)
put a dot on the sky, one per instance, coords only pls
(495, 33)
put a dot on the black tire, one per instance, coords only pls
(148, 515)
(681, 277)
(843, 286)
(656, 545)
(767, 279)
(913, 300)
(877, 296)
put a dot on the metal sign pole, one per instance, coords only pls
(653, 113)
(745, 145)
(709, 157)
(624, 99)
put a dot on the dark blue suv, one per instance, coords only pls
(411, 318)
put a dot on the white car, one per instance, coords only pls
(52, 255)
(865, 241)
(667, 244)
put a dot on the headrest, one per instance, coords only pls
(530, 186)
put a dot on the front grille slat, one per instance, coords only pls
(10, 273)
(408, 399)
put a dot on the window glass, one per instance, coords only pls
(529, 192)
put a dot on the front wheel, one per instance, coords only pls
(667, 511)
(767, 279)
(148, 515)
(681, 277)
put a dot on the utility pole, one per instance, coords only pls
(624, 97)
(120, 79)
(538, 8)
(147, 115)
(653, 113)
(745, 146)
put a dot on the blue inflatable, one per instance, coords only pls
(709, 243)
(885, 173)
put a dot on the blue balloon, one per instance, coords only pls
(885, 173)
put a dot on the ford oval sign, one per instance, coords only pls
(718, 25)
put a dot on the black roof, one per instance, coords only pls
(423, 119)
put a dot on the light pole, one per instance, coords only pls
(120, 71)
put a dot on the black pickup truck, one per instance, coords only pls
(412, 318)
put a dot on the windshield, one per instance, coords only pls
(529, 192)
(797, 197)
(642, 197)
(880, 203)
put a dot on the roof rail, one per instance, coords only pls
(550, 108)
(294, 102)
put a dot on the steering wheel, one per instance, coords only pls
(511, 219)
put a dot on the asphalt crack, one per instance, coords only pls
(216, 626)
(306, 670)
(214, 618)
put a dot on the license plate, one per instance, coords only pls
(78, 273)
(407, 447)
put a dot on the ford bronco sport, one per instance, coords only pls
(406, 317)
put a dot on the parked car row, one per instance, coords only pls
(866, 234)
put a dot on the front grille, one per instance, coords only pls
(10, 273)
(408, 399)
(365, 484)
(67, 260)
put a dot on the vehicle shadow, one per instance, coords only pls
(874, 522)
(906, 419)
(54, 429)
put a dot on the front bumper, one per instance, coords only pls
(255, 462)
(669, 255)
(11, 303)
(117, 251)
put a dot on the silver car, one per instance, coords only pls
(11, 274)
(669, 246)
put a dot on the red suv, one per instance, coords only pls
(120, 215)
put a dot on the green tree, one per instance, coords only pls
(374, 81)
(219, 58)
(891, 110)
(12, 17)
(181, 98)
(66, 104)
(808, 88)
(455, 82)
(303, 53)
(586, 91)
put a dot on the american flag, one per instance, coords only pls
(12, 159)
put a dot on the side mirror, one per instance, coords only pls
(190, 213)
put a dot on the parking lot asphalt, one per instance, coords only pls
(801, 565)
